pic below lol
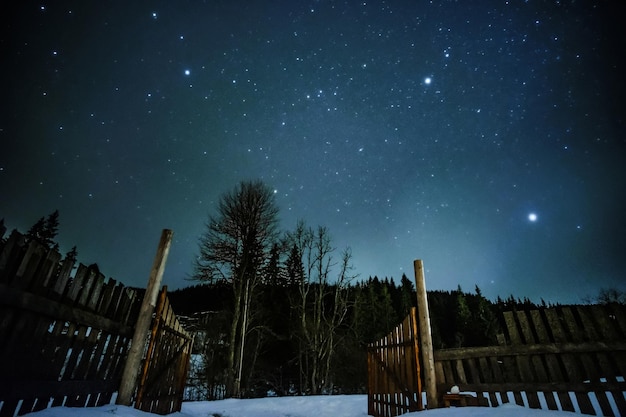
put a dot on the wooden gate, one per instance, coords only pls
(162, 382)
(394, 380)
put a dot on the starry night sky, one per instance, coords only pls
(411, 129)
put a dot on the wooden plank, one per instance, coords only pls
(11, 255)
(617, 313)
(461, 378)
(415, 357)
(406, 356)
(498, 378)
(88, 284)
(485, 366)
(552, 363)
(449, 373)
(525, 326)
(511, 327)
(63, 278)
(96, 293)
(152, 346)
(77, 283)
(587, 370)
(605, 324)
(116, 296)
(106, 298)
(590, 329)
(46, 273)
(474, 375)
(512, 364)
(525, 363)
(127, 297)
(26, 272)
(540, 362)
(370, 384)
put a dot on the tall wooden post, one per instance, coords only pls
(432, 397)
(133, 360)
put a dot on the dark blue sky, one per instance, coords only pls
(411, 129)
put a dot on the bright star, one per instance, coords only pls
(532, 217)
(187, 72)
(428, 80)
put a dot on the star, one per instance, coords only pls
(428, 80)
(532, 217)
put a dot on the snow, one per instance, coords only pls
(313, 406)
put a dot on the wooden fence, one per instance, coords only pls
(563, 358)
(394, 381)
(546, 355)
(64, 334)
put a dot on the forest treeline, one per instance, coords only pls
(275, 362)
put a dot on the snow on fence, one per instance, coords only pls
(64, 331)
(567, 358)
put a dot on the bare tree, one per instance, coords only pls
(236, 248)
(322, 305)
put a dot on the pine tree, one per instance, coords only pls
(45, 230)
(294, 267)
(36, 231)
(51, 228)
(463, 317)
(274, 275)
(408, 298)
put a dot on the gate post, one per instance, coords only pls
(138, 344)
(432, 397)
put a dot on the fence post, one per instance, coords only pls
(432, 397)
(133, 360)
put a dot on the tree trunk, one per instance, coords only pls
(232, 347)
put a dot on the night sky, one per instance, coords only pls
(486, 138)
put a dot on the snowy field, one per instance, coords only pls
(314, 406)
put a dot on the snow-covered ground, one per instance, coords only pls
(314, 406)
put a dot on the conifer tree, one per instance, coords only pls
(45, 230)
(294, 266)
